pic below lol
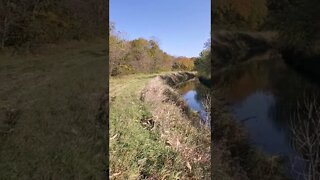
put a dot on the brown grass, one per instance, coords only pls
(175, 123)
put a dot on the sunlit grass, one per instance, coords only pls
(137, 151)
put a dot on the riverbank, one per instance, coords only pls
(231, 48)
(150, 134)
(258, 87)
(305, 64)
(234, 157)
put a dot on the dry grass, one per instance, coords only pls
(139, 147)
(135, 152)
(175, 125)
(305, 128)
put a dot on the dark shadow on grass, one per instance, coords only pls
(93, 53)
(147, 77)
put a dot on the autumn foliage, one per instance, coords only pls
(184, 63)
(247, 14)
(29, 23)
(141, 56)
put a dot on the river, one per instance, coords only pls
(195, 94)
(263, 96)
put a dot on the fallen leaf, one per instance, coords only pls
(142, 162)
(115, 174)
(189, 166)
(113, 137)
(178, 143)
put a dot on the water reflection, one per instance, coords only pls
(263, 95)
(262, 129)
(194, 94)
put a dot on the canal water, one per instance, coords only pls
(263, 95)
(195, 94)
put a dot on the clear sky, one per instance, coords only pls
(181, 26)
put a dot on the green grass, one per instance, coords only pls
(52, 113)
(130, 143)
(137, 151)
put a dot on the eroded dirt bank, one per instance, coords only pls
(174, 121)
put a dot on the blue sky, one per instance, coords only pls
(181, 26)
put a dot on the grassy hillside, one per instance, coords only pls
(53, 113)
(139, 146)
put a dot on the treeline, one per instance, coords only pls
(141, 55)
(202, 63)
(296, 21)
(28, 23)
(239, 14)
(183, 63)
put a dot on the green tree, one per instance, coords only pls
(203, 62)
(118, 51)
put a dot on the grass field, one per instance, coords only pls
(53, 112)
(136, 151)
(53, 109)
(129, 141)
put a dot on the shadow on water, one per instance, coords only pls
(263, 95)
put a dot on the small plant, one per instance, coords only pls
(206, 103)
(305, 127)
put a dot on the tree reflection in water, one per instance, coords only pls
(270, 91)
